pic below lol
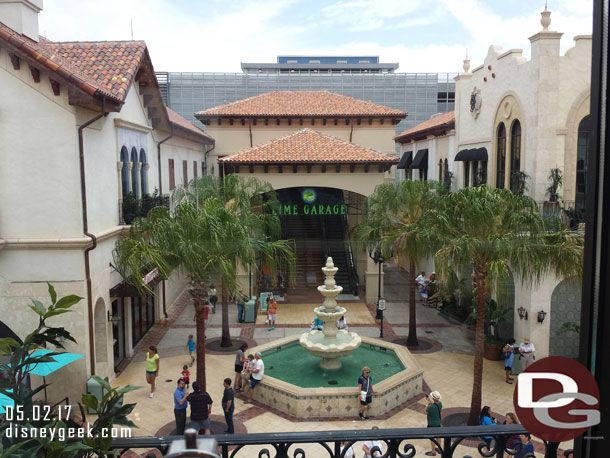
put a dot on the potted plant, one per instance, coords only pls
(131, 208)
(518, 182)
(550, 208)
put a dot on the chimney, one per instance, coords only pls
(21, 16)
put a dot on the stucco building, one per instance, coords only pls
(84, 128)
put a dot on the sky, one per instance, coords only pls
(217, 35)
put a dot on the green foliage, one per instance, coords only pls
(518, 182)
(556, 180)
(568, 327)
(111, 409)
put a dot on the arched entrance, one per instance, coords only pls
(565, 316)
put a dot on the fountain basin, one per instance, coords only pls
(330, 350)
(297, 393)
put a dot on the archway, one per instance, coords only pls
(565, 317)
(101, 332)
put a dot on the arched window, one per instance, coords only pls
(446, 173)
(500, 156)
(515, 151)
(124, 172)
(582, 152)
(440, 170)
(143, 172)
(135, 179)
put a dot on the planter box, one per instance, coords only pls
(491, 352)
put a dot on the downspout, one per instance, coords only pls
(250, 129)
(206, 156)
(171, 134)
(351, 122)
(83, 189)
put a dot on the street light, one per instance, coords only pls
(377, 256)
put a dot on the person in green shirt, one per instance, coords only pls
(152, 368)
(433, 412)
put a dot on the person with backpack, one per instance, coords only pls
(509, 356)
(433, 413)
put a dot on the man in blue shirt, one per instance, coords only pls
(180, 404)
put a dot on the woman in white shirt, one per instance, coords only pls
(527, 350)
(342, 324)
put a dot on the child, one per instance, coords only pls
(271, 312)
(245, 374)
(190, 347)
(186, 375)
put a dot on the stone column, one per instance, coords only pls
(119, 168)
(138, 191)
(129, 180)
(145, 189)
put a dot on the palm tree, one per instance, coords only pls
(391, 213)
(250, 200)
(204, 239)
(493, 229)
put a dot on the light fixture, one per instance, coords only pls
(113, 319)
(522, 312)
(541, 316)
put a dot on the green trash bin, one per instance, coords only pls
(97, 390)
(250, 310)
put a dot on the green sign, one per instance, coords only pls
(314, 209)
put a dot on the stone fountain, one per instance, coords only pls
(331, 343)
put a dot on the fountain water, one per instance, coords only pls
(331, 343)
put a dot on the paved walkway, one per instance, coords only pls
(447, 367)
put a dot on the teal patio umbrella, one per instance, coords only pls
(5, 401)
(45, 368)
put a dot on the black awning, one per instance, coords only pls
(421, 160)
(5, 331)
(473, 154)
(405, 160)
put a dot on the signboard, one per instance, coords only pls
(150, 276)
(381, 305)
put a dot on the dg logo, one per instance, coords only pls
(557, 399)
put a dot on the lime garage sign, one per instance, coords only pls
(309, 206)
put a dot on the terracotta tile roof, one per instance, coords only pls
(308, 146)
(107, 68)
(184, 125)
(291, 104)
(439, 122)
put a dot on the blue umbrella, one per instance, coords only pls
(46, 368)
(5, 401)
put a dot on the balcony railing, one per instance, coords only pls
(566, 211)
(131, 208)
(397, 443)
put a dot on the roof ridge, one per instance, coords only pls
(97, 41)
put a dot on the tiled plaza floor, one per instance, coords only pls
(448, 371)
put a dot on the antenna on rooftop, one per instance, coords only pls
(131, 19)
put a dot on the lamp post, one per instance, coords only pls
(377, 257)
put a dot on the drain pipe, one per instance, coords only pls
(83, 189)
(171, 134)
(206, 156)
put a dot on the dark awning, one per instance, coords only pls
(405, 160)
(5, 331)
(421, 160)
(473, 154)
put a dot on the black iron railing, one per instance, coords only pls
(396, 443)
(132, 208)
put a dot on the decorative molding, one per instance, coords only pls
(118, 122)
(55, 86)
(63, 243)
(35, 74)
(15, 61)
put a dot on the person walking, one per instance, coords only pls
(240, 359)
(186, 375)
(433, 414)
(201, 409)
(228, 405)
(191, 346)
(213, 298)
(421, 281)
(257, 373)
(509, 356)
(241, 303)
(271, 312)
(152, 368)
(369, 445)
(180, 405)
(485, 419)
(365, 392)
(527, 351)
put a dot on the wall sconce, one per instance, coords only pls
(522, 312)
(541, 315)
(113, 319)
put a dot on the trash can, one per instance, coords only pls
(250, 310)
(517, 365)
(97, 390)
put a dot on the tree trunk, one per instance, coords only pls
(412, 339)
(199, 292)
(226, 335)
(480, 275)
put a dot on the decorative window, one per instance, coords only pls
(124, 172)
(144, 172)
(440, 170)
(185, 173)
(194, 169)
(172, 176)
(515, 150)
(582, 153)
(501, 156)
(466, 174)
(135, 179)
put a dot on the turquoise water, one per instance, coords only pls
(293, 364)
